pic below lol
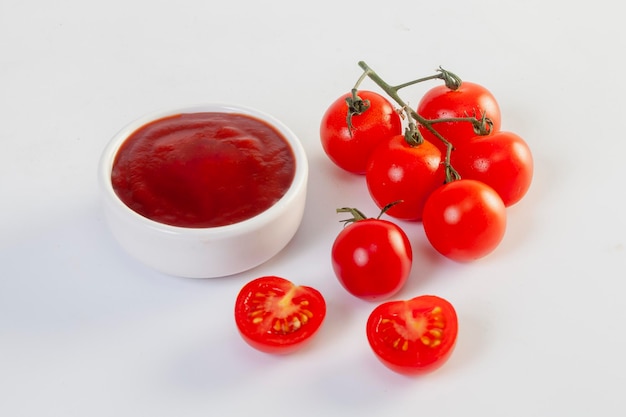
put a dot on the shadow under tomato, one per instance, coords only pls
(472, 345)
(428, 265)
(360, 382)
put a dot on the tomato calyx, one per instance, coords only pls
(451, 173)
(482, 126)
(451, 80)
(358, 215)
(356, 106)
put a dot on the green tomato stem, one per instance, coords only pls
(412, 134)
(357, 215)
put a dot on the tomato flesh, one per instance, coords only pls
(413, 336)
(274, 315)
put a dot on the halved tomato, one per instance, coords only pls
(274, 315)
(413, 336)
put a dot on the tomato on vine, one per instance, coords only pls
(402, 171)
(413, 336)
(354, 124)
(468, 100)
(464, 219)
(371, 257)
(502, 160)
(274, 315)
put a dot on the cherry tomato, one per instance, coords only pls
(398, 171)
(464, 220)
(469, 100)
(502, 160)
(413, 336)
(275, 316)
(350, 148)
(372, 258)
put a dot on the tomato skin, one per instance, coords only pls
(502, 160)
(350, 149)
(398, 171)
(464, 220)
(372, 258)
(414, 336)
(297, 312)
(469, 100)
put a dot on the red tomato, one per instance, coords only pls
(275, 316)
(413, 336)
(502, 160)
(398, 171)
(372, 258)
(351, 148)
(470, 100)
(464, 220)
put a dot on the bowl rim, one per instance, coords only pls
(245, 226)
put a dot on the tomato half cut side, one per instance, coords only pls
(274, 315)
(413, 336)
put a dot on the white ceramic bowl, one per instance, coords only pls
(205, 252)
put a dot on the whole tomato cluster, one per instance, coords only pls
(446, 164)
(452, 168)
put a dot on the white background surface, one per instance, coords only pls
(87, 331)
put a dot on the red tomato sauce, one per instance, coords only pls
(203, 169)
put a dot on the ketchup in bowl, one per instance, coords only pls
(202, 170)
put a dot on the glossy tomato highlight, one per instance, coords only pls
(502, 160)
(274, 315)
(372, 258)
(398, 171)
(413, 336)
(464, 220)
